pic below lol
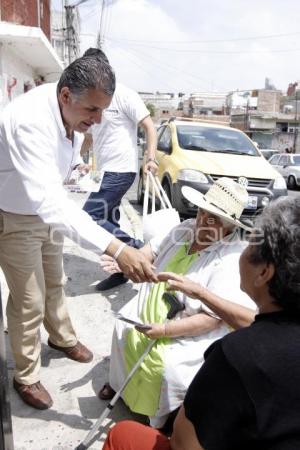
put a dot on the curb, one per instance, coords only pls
(133, 217)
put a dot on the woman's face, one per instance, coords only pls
(211, 228)
(247, 272)
(254, 277)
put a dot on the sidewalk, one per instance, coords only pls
(74, 386)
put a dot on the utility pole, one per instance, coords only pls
(69, 25)
(100, 32)
(70, 39)
(296, 122)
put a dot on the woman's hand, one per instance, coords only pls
(157, 330)
(182, 284)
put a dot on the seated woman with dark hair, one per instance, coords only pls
(247, 394)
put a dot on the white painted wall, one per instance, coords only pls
(11, 66)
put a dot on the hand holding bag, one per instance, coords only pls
(158, 222)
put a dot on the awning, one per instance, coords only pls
(31, 45)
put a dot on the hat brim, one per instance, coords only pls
(198, 199)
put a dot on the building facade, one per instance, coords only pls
(260, 113)
(31, 13)
(204, 103)
(26, 56)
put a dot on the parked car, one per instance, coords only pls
(289, 167)
(197, 153)
(267, 152)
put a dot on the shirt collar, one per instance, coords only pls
(53, 100)
(217, 246)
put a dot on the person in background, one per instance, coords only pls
(40, 142)
(207, 249)
(246, 395)
(115, 146)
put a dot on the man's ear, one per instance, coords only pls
(65, 96)
(264, 274)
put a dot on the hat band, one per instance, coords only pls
(233, 216)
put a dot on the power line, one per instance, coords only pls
(214, 52)
(206, 41)
(164, 66)
(143, 68)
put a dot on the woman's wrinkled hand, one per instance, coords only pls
(157, 330)
(182, 284)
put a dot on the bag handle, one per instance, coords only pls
(146, 197)
(158, 189)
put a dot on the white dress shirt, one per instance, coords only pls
(35, 158)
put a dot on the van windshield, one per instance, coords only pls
(219, 140)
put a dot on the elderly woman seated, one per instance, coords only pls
(246, 395)
(207, 250)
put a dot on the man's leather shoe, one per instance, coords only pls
(116, 279)
(78, 352)
(34, 395)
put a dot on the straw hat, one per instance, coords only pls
(225, 198)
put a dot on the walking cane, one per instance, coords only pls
(175, 307)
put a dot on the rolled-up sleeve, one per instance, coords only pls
(31, 153)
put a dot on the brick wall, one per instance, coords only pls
(25, 12)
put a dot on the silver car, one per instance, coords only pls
(289, 167)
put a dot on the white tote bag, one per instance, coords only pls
(158, 222)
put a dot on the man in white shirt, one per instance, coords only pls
(39, 147)
(115, 146)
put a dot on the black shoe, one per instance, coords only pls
(114, 280)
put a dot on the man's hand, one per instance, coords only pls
(182, 284)
(152, 167)
(136, 266)
(83, 169)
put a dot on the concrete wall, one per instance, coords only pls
(14, 73)
(31, 13)
(268, 101)
(283, 140)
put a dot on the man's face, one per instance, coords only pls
(81, 112)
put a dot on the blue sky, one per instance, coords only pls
(197, 45)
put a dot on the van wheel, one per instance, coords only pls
(140, 190)
(291, 182)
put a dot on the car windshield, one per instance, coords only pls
(296, 160)
(219, 140)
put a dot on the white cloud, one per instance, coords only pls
(167, 21)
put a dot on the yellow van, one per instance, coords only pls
(195, 153)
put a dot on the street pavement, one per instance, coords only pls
(74, 386)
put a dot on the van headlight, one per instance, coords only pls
(279, 183)
(192, 175)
